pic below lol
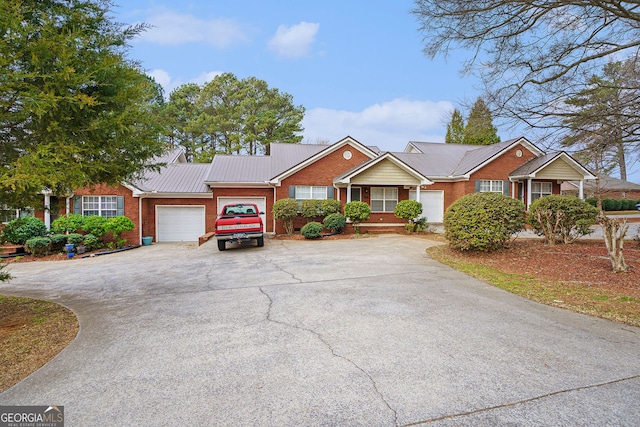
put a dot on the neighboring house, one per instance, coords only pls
(610, 188)
(180, 202)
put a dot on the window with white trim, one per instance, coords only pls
(384, 199)
(106, 206)
(309, 192)
(8, 214)
(541, 189)
(490, 186)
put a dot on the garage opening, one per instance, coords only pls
(179, 223)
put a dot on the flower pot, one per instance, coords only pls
(69, 247)
(146, 240)
(81, 249)
(70, 254)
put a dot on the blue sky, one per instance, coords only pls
(356, 66)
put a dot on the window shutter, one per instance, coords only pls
(330, 193)
(477, 184)
(77, 205)
(505, 188)
(120, 206)
(292, 191)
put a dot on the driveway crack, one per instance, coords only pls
(293, 276)
(326, 343)
(520, 402)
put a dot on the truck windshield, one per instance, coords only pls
(239, 210)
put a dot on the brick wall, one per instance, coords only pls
(149, 212)
(130, 206)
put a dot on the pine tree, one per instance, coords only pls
(455, 128)
(480, 129)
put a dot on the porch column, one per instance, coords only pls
(348, 192)
(581, 190)
(528, 193)
(418, 193)
(47, 208)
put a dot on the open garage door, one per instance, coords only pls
(432, 204)
(261, 202)
(180, 223)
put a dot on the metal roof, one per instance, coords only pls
(176, 178)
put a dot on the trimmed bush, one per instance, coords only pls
(75, 238)
(285, 210)
(561, 219)
(310, 208)
(483, 221)
(311, 230)
(409, 210)
(20, 230)
(70, 223)
(57, 242)
(335, 222)
(118, 225)
(329, 206)
(357, 212)
(94, 224)
(38, 246)
(91, 242)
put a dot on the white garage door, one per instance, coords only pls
(179, 223)
(261, 202)
(432, 204)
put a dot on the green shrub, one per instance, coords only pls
(561, 219)
(57, 242)
(94, 224)
(285, 210)
(310, 208)
(329, 206)
(483, 221)
(75, 238)
(409, 210)
(311, 230)
(91, 242)
(20, 230)
(118, 225)
(38, 246)
(628, 205)
(69, 223)
(357, 212)
(4, 276)
(335, 222)
(592, 201)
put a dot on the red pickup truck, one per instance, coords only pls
(239, 223)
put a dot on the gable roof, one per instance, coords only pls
(176, 176)
(345, 178)
(534, 166)
(607, 183)
(322, 153)
(440, 160)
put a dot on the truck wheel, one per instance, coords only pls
(222, 245)
(260, 241)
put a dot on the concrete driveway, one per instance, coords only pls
(366, 332)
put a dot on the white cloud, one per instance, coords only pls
(169, 84)
(168, 28)
(294, 41)
(390, 125)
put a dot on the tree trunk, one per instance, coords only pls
(614, 233)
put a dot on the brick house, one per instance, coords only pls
(180, 202)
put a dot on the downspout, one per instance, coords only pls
(140, 217)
